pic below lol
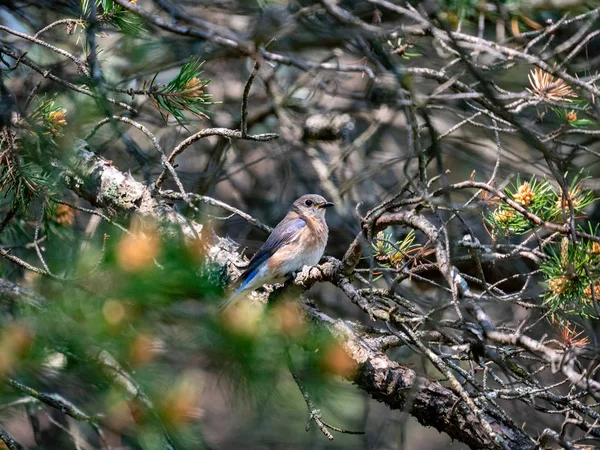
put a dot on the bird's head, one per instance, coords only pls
(311, 205)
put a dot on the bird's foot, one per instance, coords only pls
(308, 276)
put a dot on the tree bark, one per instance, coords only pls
(399, 387)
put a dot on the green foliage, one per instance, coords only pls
(186, 92)
(126, 307)
(534, 195)
(400, 49)
(389, 253)
(117, 16)
(25, 169)
(571, 274)
(151, 303)
(395, 255)
(572, 277)
(571, 117)
(262, 4)
(541, 199)
(47, 117)
(578, 197)
(21, 182)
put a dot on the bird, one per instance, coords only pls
(298, 240)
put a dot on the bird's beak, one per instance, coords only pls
(326, 205)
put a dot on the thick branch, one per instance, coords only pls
(103, 185)
(98, 181)
(12, 294)
(429, 402)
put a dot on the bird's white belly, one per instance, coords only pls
(304, 258)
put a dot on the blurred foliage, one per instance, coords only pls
(401, 48)
(149, 302)
(524, 13)
(108, 12)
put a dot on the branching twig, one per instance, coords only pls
(314, 414)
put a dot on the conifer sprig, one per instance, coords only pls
(541, 199)
(534, 195)
(117, 16)
(24, 157)
(20, 182)
(389, 253)
(571, 117)
(571, 274)
(186, 92)
(578, 197)
(49, 117)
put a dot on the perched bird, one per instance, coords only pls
(297, 241)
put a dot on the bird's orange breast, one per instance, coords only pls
(305, 250)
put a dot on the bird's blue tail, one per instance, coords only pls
(237, 294)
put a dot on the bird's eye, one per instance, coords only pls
(308, 202)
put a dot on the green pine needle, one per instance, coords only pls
(117, 16)
(186, 92)
(570, 274)
(541, 199)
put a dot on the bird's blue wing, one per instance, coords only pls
(284, 233)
